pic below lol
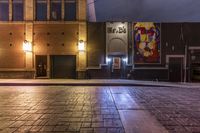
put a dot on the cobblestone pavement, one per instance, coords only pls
(58, 109)
(93, 110)
(177, 109)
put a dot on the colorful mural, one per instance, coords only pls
(146, 42)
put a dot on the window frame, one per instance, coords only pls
(65, 9)
(6, 2)
(23, 10)
(35, 11)
(50, 11)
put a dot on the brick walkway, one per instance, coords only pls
(95, 109)
(177, 109)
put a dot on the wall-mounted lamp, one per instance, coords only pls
(108, 60)
(27, 46)
(125, 60)
(81, 46)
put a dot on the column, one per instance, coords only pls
(48, 10)
(10, 10)
(29, 17)
(63, 10)
(29, 37)
(81, 16)
(28, 10)
(81, 10)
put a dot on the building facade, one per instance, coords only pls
(52, 39)
(144, 51)
(52, 28)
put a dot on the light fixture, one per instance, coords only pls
(125, 60)
(81, 45)
(27, 46)
(108, 60)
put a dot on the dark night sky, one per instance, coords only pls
(148, 10)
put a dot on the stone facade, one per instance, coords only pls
(47, 38)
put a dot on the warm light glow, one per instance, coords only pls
(81, 45)
(27, 46)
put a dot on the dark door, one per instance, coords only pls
(41, 65)
(63, 66)
(175, 69)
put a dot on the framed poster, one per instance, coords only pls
(116, 63)
(146, 37)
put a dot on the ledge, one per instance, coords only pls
(16, 70)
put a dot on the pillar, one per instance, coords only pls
(10, 10)
(82, 60)
(28, 17)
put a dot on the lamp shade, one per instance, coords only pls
(27, 46)
(81, 45)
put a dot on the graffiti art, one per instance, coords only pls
(146, 37)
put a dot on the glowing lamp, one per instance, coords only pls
(81, 45)
(125, 60)
(27, 46)
(108, 60)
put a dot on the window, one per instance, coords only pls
(18, 10)
(41, 10)
(55, 9)
(70, 10)
(4, 10)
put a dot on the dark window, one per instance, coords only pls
(55, 9)
(70, 10)
(18, 10)
(41, 10)
(4, 10)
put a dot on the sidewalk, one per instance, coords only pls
(92, 82)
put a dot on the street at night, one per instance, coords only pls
(99, 66)
(99, 109)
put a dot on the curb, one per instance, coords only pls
(80, 84)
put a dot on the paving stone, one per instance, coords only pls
(86, 125)
(47, 128)
(112, 123)
(35, 128)
(74, 127)
(97, 124)
(92, 109)
(86, 130)
(17, 124)
(99, 130)
(115, 130)
(60, 128)
(24, 129)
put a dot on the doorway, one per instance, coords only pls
(41, 66)
(117, 67)
(63, 66)
(176, 69)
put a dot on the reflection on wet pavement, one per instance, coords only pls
(99, 109)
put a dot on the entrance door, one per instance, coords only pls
(117, 68)
(41, 65)
(175, 69)
(63, 66)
